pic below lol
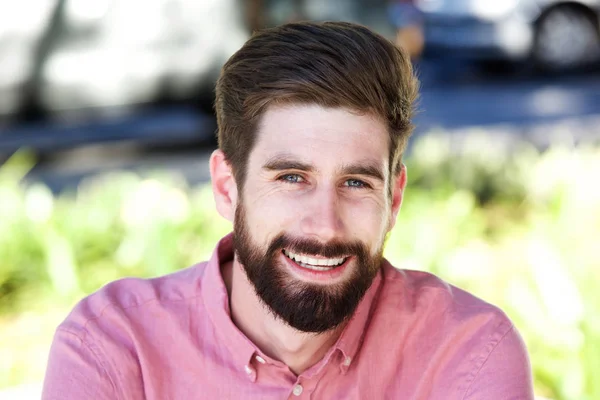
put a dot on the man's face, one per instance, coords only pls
(310, 224)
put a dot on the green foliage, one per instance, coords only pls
(519, 230)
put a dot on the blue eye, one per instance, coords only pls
(291, 178)
(355, 183)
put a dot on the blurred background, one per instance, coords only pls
(106, 127)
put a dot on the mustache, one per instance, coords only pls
(331, 249)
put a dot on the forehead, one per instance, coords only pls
(322, 136)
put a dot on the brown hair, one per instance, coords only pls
(331, 64)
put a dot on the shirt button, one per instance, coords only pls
(251, 372)
(348, 361)
(297, 390)
(260, 359)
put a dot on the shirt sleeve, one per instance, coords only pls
(506, 374)
(76, 371)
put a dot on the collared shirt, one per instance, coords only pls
(412, 336)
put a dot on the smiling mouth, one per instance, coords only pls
(315, 264)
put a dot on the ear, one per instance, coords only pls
(399, 185)
(223, 185)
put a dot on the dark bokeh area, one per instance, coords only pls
(106, 127)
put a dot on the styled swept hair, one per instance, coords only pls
(331, 64)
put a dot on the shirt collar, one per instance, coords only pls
(241, 349)
(216, 301)
(352, 336)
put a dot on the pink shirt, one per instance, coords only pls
(413, 336)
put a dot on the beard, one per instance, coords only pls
(304, 306)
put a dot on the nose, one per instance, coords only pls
(322, 215)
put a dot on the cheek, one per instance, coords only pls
(269, 214)
(368, 220)
(269, 217)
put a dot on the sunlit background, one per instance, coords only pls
(106, 127)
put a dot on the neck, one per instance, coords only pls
(276, 339)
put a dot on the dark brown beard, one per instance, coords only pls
(304, 306)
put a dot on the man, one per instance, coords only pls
(298, 302)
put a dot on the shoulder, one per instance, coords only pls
(425, 294)
(439, 314)
(466, 339)
(101, 346)
(131, 296)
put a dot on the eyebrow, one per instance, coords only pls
(365, 169)
(285, 162)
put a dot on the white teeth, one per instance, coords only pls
(314, 267)
(314, 263)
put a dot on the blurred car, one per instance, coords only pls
(70, 56)
(81, 71)
(554, 34)
(22, 27)
(118, 53)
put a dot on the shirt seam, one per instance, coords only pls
(157, 299)
(143, 303)
(97, 358)
(512, 327)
